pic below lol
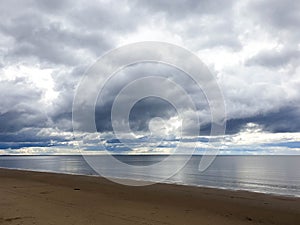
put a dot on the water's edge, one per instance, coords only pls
(169, 183)
(275, 175)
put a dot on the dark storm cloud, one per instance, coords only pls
(17, 109)
(68, 36)
(30, 137)
(148, 108)
(18, 93)
(13, 121)
(284, 120)
(54, 33)
(140, 114)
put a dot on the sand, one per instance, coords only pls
(48, 198)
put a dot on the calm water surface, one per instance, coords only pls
(269, 174)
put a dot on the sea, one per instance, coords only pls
(278, 175)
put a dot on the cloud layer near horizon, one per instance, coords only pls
(252, 47)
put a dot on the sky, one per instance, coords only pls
(252, 48)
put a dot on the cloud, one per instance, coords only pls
(46, 42)
(280, 19)
(154, 106)
(178, 10)
(275, 58)
(278, 14)
(17, 109)
(252, 47)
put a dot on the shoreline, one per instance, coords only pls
(29, 197)
(168, 183)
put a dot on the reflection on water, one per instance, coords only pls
(270, 174)
(60, 164)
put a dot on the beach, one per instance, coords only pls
(49, 198)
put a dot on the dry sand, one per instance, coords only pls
(47, 198)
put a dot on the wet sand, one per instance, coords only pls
(48, 198)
